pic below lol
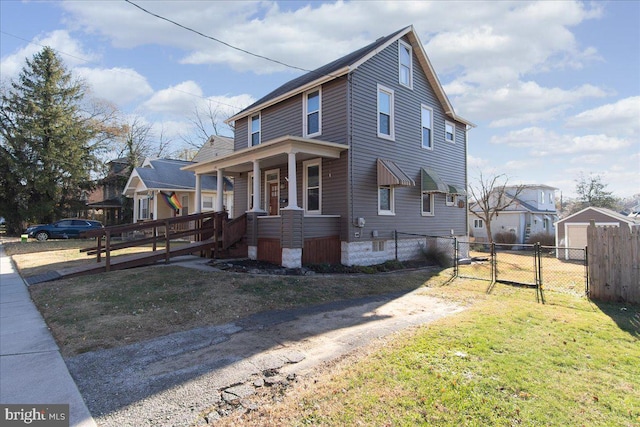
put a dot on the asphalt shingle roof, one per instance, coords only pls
(166, 174)
(325, 70)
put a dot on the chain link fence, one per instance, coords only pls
(530, 265)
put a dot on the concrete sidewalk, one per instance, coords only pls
(32, 370)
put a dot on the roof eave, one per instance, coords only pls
(299, 89)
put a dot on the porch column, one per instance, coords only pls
(135, 207)
(155, 203)
(293, 186)
(256, 186)
(198, 207)
(220, 191)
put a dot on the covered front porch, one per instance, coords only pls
(286, 221)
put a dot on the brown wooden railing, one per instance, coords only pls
(204, 227)
(233, 231)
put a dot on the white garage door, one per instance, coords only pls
(576, 238)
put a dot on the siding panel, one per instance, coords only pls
(447, 159)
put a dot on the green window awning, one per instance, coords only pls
(389, 173)
(431, 182)
(458, 191)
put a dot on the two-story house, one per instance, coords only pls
(329, 165)
(114, 212)
(532, 212)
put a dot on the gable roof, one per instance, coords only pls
(216, 145)
(347, 64)
(166, 174)
(604, 211)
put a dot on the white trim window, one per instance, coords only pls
(450, 199)
(478, 223)
(386, 203)
(427, 204)
(255, 127)
(207, 203)
(449, 132)
(385, 113)
(250, 191)
(312, 186)
(143, 208)
(426, 115)
(312, 113)
(405, 64)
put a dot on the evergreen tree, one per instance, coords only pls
(48, 143)
(592, 192)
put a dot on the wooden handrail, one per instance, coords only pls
(233, 231)
(210, 222)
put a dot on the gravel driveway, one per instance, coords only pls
(193, 378)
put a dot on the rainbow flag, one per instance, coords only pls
(172, 200)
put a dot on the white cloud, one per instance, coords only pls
(69, 50)
(521, 102)
(588, 159)
(183, 99)
(544, 142)
(118, 85)
(484, 36)
(175, 100)
(619, 118)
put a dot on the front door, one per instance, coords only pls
(273, 198)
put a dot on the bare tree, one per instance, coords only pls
(490, 196)
(206, 123)
(162, 149)
(135, 142)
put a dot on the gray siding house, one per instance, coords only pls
(330, 164)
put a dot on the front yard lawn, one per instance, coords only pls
(504, 361)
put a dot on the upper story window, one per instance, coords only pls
(405, 62)
(550, 197)
(477, 223)
(312, 113)
(541, 200)
(449, 132)
(385, 200)
(312, 186)
(427, 125)
(254, 130)
(385, 113)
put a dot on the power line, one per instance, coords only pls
(217, 40)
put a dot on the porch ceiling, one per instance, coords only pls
(270, 153)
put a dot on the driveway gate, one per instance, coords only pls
(528, 265)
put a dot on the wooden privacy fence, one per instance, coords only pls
(614, 263)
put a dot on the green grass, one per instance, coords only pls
(505, 361)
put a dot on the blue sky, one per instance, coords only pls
(553, 87)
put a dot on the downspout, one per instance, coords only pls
(350, 145)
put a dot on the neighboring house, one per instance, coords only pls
(532, 212)
(109, 192)
(330, 164)
(215, 146)
(571, 232)
(149, 184)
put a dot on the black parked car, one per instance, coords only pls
(63, 229)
